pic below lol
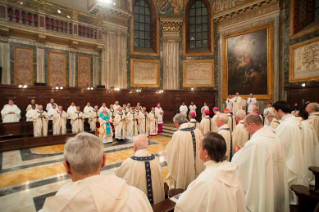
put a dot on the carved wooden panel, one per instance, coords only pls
(57, 69)
(23, 66)
(145, 73)
(84, 71)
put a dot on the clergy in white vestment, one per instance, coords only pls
(313, 110)
(71, 110)
(216, 113)
(183, 108)
(192, 108)
(30, 106)
(88, 189)
(193, 121)
(124, 109)
(223, 129)
(205, 123)
(10, 113)
(229, 103)
(120, 125)
(128, 107)
(52, 111)
(205, 107)
(30, 113)
(94, 117)
(218, 187)
(105, 129)
(273, 122)
(143, 171)
(87, 110)
(50, 105)
(131, 124)
(77, 121)
(116, 105)
(103, 107)
(59, 122)
(251, 102)
(143, 122)
(153, 122)
(237, 103)
(40, 122)
(240, 134)
(231, 119)
(159, 111)
(262, 169)
(182, 154)
(267, 110)
(290, 133)
(256, 110)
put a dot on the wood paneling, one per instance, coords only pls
(300, 95)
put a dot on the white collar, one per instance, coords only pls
(224, 126)
(286, 117)
(142, 152)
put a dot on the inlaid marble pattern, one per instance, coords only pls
(57, 69)
(23, 66)
(84, 71)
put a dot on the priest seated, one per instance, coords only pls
(143, 171)
(89, 190)
(10, 112)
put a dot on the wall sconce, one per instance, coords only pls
(20, 86)
(61, 88)
(117, 89)
(138, 90)
(25, 86)
(303, 85)
(192, 89)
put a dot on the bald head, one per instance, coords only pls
(140, 142)
(254, 118)
(312, 107)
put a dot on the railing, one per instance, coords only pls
(22, 17)
(58, 25)
(87, 32)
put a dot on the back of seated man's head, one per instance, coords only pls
(213, 147)
(84, 156)
(140, 142)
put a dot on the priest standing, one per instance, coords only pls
(183, 108)
(143, 122)
(77, 120)
(229, 103)
(94, 117)
(192, 108)
(206, 124)
(237, 103)
(231, 120)
(116, 105)
(30, 106)
(223, 129)
(40, 122)
(120, 126)
(205, 107)
(52, 111)
(216, 113)
(103, 107)
(159, 111)
(50, 105)
(59, 122)
(71, 110)
(131, 124)
(105, 129)
(313, 110)
(87, 110)
(30, 113)
(240, 134)
(267, 110)
(153, 122)
(10, 112)
(251, 102)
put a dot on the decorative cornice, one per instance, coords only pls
(113, 15)
(171, 24)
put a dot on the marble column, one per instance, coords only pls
(40, 64)
(72, 71)
(5, 61)
(96, 73)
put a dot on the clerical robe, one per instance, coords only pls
(314, 121)
(40, 124)
(70, 111)
(8, 117)
(153, 123)
(183, 109)
(231, 122)
(52, 112)
(144, 172)
(105, 130)
(50, 106)
(267, 110)
(98, 193)
(120, 126)
(143, 123)
(87, 110)
(29, 115)
(205, 107)
(214, 124)
(182, 154)
(131, 125)
(93, 119)
(225, 132)
(29, 107)
(194, 123)
(274, 124)
(237, 104)
(159, 112)
(240, 135)
(229, 104)
(206, 125)
(192, 108)
(59, 122)
(263, 173)
(251, 102)
(77, 122)
(310, 148)
(218, 188)
(101, 109)
(290, 133)
(116, 107)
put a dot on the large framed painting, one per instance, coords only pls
(198, 73)
(145, 73)
(23, 65)
(304, 61)
(248, 62)
(57, 69)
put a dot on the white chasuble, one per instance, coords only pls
(131, 125)
(225, 132)
(40, 123)
(87, 110)
(29, 115)
(229, 104)
(205, 107)
(251, 102)
(77, 122)
(183, 109)
(192, 108)
(206, 125)
(153, 123)
(10, 113)
(237, 104)
(314, 121)
(195, 123)
(240, 135)
(29, 107)
(263, 172)
(144, 172)
(70, 111)
(159, 113)
(182, 154)
(52, 112)
(93, 119)
(50, 106)
(143, 123)
(120, 126)
(59, 122)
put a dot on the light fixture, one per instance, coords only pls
(57, 87)
(91, 88)
(68, 16)
(192, 89)
(303, 84)
(61, 87)
(25, 86)
(59, 11)
(21, 3)
(117, 89)
(20, 86)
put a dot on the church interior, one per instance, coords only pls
(199, 58)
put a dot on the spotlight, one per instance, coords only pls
(25, 86)
(68, 16)
(21, 3)
(61, 87)
(114, 3)
(57, 87)
(92, 88)
(303, 84)
(59, 11)
(192, 89)
(20, 86)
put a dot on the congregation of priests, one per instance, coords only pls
(236, 160)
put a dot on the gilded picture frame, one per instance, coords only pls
(133, 74)
(186, 82)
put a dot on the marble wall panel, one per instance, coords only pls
(198, 73)
(5, 62)
(57, 69)
(84, 71)
(23, 66)
(144, 73)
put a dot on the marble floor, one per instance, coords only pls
(28, 176)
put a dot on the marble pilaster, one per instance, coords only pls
(5, 61)
(40, 64)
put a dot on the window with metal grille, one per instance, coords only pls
(142, 25)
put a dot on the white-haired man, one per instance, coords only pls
(273, 122)
(240, 134)
(182, 154)
(313, 110)
(77, 120)
(205, 123)
(143, 171)
(59, 121)
(10, 112)
(223, 129)
(40, 122)
(120, 125)
(94, 117)
(89, 190)
(262, 154)
(216, 113)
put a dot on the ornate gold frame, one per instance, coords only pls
(15, 65)
(49, 67)
(157, 62)
(292, 61)
(185, 62)
(90, 58)
(270, 55)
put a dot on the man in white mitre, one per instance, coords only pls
(87, 110)
(30, 113)
(262, 169)
(205, 107)
(77, 121)
(143, 171)
(218, 188)
(267, 110)
(206, 124)
(40, 122)
(313, 110)
(223, 129)
(237, 103)
(94, 117)
(152, 117)
(229, 103)
(50, 105)
(290, 133)
(116, 106)
(120, 125)
(10, 112)
(71, 110)
(183, 109)
(88, 189)
(231, 120)
(182, 154)
(103, 107)
(192, 120)
(251, 103)
(240, 134)
(159, 112)
(59, 122)
(214, 124)
(30, 106)
(132, 124)
(52, 111)
(192, 108)
(143, 122)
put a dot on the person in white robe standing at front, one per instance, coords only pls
(237, 103)
(183, 109)
(182, 154)
(116, 106)
(71, 110)
(159, 111)
(87, 110)
(313, 110)
(50, 105)
(251, 102)
(102, 108)
(267, 110)
(206, 124)
(240, 134)
(88, 189)
(120, 125)
(131, 123)
(290, 134)
(223, 129)
(153, 122)
(52, 111)
(143, 122)
(59, 122)
(77, 121)
(216, 113)
(205, 107)
(30, 113)
(229, 103)
(30, 106)
(143, 171)
(10, 112)
(192, 108)
(262, 169)
(94, 117)
(40, 122)
(218, 188)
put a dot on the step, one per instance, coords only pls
(166, 134)
(169, 128)
(169, 131)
